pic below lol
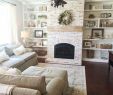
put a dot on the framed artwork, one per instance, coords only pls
(87, 44)
(38, 33)
(97, 33)
(43, 24)
(107, 6)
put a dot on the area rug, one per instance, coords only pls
(77, 78)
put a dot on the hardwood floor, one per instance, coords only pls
(98, 82)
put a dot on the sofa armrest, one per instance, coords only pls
(25, 91)
(55, 87)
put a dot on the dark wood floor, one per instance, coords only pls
(98, 82)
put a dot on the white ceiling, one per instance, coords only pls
(32, 1)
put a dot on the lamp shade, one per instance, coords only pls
(25, 34)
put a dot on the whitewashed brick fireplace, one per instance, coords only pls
(74, 38)
(70, 34)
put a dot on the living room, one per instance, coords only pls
(56, 47)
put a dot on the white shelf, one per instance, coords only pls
(98, 10)
(88, 19)
(98, 27)
(98, 1)
(99, 49)
(37, 12)
(98, 39)
(95, 60)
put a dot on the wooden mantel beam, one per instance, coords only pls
(65, 29)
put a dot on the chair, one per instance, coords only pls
(110, 63)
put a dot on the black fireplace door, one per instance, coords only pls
(64, 50)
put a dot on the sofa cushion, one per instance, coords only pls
(13, 71)
(34, 82)
(9, 51)
(25, 91)
(12, 62)
(20, 50)
(3, 56)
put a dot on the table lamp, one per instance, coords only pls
(25, 35)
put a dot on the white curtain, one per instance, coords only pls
(8, 24)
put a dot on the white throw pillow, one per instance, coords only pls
(20, 50)
(13, 71)
(3, 56)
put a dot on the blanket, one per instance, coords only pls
(6, 89)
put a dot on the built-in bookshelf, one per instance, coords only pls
(98, 30)
(35, 22)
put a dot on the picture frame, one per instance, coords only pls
(43, 24)
(97, 33)
(87, 44)
(38, 33)
(107, 6)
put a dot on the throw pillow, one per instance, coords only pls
(20, 50)
(13, 71)
(9, 51)
(3, 56)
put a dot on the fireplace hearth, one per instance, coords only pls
(64, 50)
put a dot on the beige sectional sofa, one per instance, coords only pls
(33, 80)
(22, 61)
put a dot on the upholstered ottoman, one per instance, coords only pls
(50, 73)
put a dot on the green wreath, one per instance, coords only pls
(65, 18)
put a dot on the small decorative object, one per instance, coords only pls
(104, 54)
(97, 33)
(90, 23)
(87, 44)
(105, 15)
(106, 23)
(88, 36)
(92, 7)
(65, 18)
(45, 35)
(38, 33)
(42, 16)
(43, 24)
(107, 6)
(31, 24)
(32, 16)
(106, 46)
(56, 3)
(91, 16)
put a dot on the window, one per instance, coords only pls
(8, 24)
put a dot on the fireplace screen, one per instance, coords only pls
(64, 50)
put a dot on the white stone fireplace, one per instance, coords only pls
(72, 38)
(70, 34)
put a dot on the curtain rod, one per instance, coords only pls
(8, 2)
